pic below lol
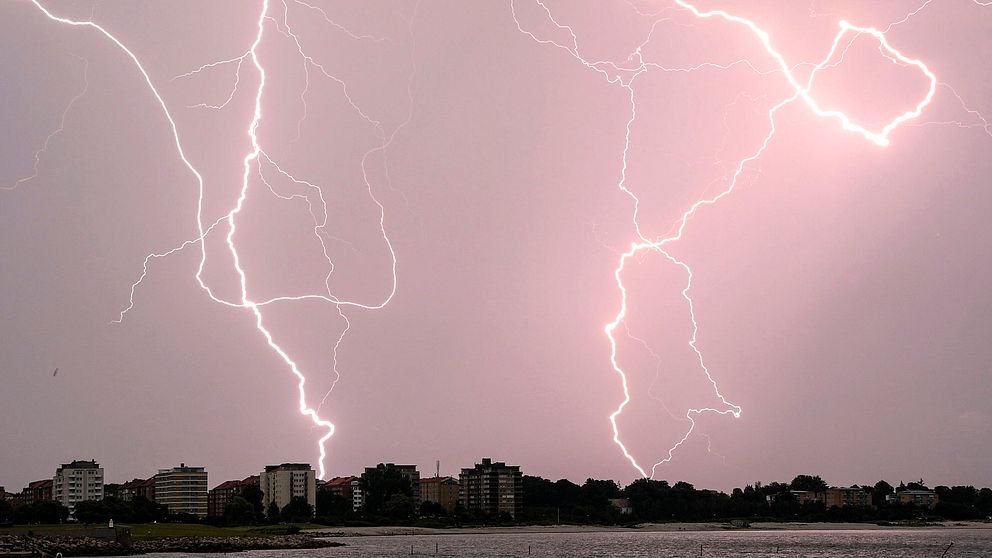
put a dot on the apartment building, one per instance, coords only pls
(182, 489)
(78, 481)
(440, 490)
(282, 483)
(221, 495)
(338, 486)
(493, 488)
(132, 489)
(841, 497)
(923, 498)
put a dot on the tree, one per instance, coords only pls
(253, 494)
(382, 483)
(91, 511)
(272, 513)
(330, 504)
(298, 510)
(432, 509)
(808, 482)
(144, 510)
(398, 506)
(6, 511)
(597, 493)
(239, 511)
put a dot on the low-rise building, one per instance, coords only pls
(138, 487)
(221, 495)
(112, 490)
(622, 505)
(281, 483)
(440, 490)
(806, 496)
(923, 498)
(492, 487)
(840, 497)
(182, 489)
(339, 486)
(78, 481)
(40, 490)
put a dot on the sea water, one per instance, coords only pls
(908, 543)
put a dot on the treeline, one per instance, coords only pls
(655, 500)
(390, 501)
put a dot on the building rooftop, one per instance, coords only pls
(227, 485)
(432, 480)
(78, 464)
(289, 467)
(182, 468)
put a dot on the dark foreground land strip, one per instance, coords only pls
(50, 546)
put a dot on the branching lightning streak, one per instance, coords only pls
(253, 162)
(643, 244)
(57, 131)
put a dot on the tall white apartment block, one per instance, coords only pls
(78, 481)
(282, 483)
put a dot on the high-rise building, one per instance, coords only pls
(78, 481)
(493, 488)
(282, 483)
(182, 489)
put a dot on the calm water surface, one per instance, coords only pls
(970, 543)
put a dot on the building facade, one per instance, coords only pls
(282, 483)
(132, 489)
(78, 481)
(840, 497)
(182, 489)
(40, 490)
(221, 495)
(923, 498)
(492, 487)
(339, 486)
(440, 490)
(357, 495)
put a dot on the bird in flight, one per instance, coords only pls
(55, 373)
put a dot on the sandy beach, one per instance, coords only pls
(645, 527)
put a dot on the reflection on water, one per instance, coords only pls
(917, 543)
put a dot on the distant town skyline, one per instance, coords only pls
(840, 292)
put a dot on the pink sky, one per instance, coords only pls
(840, 290)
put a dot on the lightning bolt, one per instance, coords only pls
(625, 76)
(48, 140)
(253, 164)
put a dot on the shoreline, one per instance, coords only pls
(48, 546)
(384, 531)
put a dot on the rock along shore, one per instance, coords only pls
(82, 546)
